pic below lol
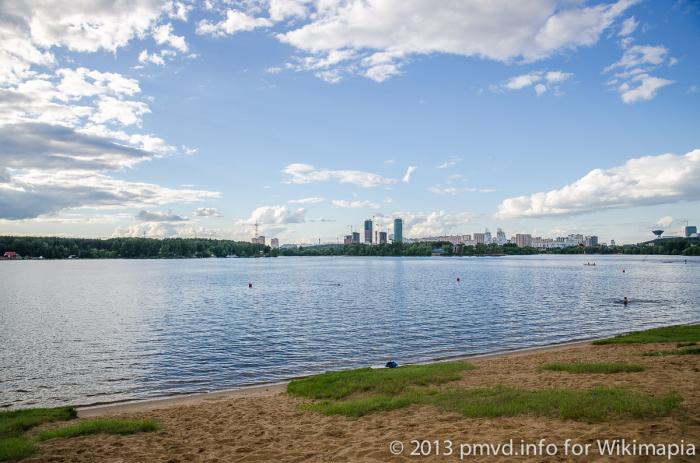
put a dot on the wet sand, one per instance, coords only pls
(263, 423)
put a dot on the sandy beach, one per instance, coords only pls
(266, 424)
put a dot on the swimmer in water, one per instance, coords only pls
(625, 301)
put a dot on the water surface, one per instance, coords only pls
(80, 332)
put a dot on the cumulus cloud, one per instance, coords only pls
(647, 180)
(235, 21)
(665, 221)
(377, 38)
(305, 173)
(153, 216)
(407, 176)
(34, 192)
(541, 81)
(64, 129)
(355, 204)
(632, 78)
(311, 200)
(163, 35)
(276, 215)
(435, 223)
(207, 212)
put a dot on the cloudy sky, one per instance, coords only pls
(183, 118)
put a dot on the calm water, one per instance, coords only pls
(79, 332)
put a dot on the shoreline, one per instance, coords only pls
(270, 389)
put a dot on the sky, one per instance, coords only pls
(177, 118)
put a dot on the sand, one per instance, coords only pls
(265, 424)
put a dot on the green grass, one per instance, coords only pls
(681, 351)
(382, 381)
(14, 423)
(680, 333)
(15, 444)
(581, 367)
(15, 448)
(597, 404)
(97, 426)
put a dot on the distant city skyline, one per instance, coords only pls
(178, 118)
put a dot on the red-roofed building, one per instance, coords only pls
(10, 255)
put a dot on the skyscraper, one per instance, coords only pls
(368, 231)
(382, 237)
(398, 230)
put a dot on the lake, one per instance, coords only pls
(91, 331)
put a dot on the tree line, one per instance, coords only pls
(87, 248)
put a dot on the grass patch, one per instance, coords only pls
(97, 426)
(682, 351)
(13, 424)
(383, 381)
(679, 334)
(15, 448)
(15, 444)
(597, 404)
(581, 367)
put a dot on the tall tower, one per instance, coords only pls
(398, 230)
(368, 231)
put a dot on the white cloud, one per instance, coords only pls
(34, 192)
(407, 176)
(451, 190)
(632, 79)
(542, 81)
(648, 180)
(305, 173)
(236, 21)
(381, 36)
(207, 212)
(311, 200)
(125, 112)
(163, 35)
(665, 221)
(355, 204)
(628, 26)
(276, 215)
(642, 88)
(146, 57)
(178, 10)
(639, 55)
(449, 163)
(430, 224)
(154, 216)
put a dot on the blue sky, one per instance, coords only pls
(181, 119)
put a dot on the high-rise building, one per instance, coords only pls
(591, 241)
(275, 243)
(690, 230)
(382, 237)
(501, 237)
(487, 237)
(355, 238)
(347, 239)
(523, 240)
(398, 230)
(480, 238)
(368, 231)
